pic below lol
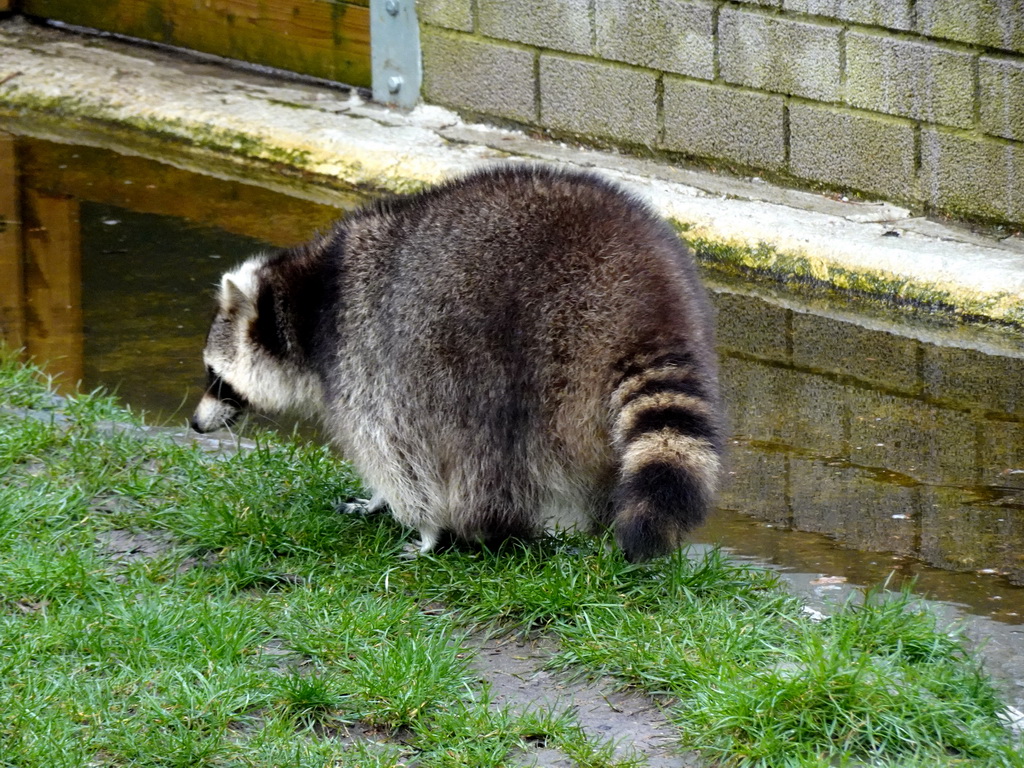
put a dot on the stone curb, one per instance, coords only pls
(162, 103)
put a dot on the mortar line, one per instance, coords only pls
(787, 491)
(715, 45)
(978, 475)
(787, 152)
(843, 76)
(790, 344)
(918, 153)
(917, 521)
(976, 89)
(659, 108)
(919, 368)
(592, 19)
(536, 88)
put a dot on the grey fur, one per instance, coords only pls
(520, 349)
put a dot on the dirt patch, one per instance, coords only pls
(514, 670)
(126, 547)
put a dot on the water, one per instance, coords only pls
(909, 444)
(861, 449)
(121, 256)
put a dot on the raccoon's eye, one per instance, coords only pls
(223, 391)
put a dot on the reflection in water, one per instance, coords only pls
(12, 259)
(882, 442)
(877, 440)
(108, 263)
(40, 270)
(148, 282)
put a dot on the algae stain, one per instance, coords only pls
(158, 25)
(802, 274)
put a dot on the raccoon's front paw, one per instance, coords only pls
(354, 507)
(363, 506)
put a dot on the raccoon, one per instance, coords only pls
(520, 349)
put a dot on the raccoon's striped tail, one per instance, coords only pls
(667, 434)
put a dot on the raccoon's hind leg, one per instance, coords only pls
(430, 536)
(429, 539)
(667, 434)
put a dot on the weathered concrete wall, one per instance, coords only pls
(918, 101)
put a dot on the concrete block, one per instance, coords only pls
(595, 99)
(1001, 454)
(561, 25)
(973, 176)
(1001, 82)
(773, 53)
(966, 379)
(715, 121)
(668, 35)
(479, 76)
(751, 326)
(885, 517)
(753, 401)
(765, 3)
(908, 78)
(959, 535)
(816, 409)
(856, 150)
(892, 14)
(452, 14)
(875, 357)
(992, 23)
(912, 438)
(819, 500)
(854, 507)
(772, 404)
(755, 484)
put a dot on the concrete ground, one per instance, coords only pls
(199, 112)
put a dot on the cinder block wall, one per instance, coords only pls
(916, 101)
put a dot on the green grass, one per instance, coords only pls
(257, 627)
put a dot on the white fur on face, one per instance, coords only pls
(268, 383)
(212, 414)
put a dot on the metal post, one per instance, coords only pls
(395, 52)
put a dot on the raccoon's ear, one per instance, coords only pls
(270, 326)
(233, 299)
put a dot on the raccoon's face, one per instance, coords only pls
(220, 407)
(221, 404)
(226, 349)
(241, 371)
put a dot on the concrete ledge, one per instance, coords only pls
(165, 104)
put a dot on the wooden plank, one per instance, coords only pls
(324, 38)
(12, 273)
(99, 176)
(53, 286)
